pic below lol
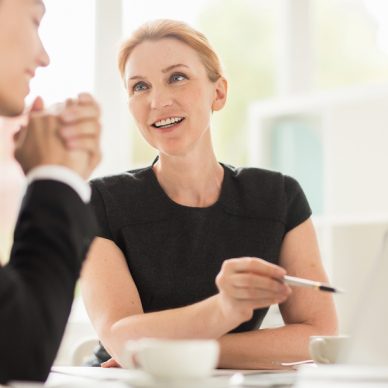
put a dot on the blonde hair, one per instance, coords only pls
(166, 28)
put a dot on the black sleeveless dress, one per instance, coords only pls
(174, 252)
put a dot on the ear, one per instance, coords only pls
(221, 91)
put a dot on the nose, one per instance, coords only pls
(160, 98)
(43, 57)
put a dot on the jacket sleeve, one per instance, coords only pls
(52, 235)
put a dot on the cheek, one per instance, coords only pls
(206, 93)
(194, 94)
(138, 112)
(198, 100)
(14, 56)
(202, 101)
(135, 108)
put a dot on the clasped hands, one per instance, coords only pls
(68, 136)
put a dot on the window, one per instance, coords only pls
(350, 42)
(67, 32)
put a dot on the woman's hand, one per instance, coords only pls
(111, 363)
(248, 283)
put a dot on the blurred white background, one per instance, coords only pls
(308, 97)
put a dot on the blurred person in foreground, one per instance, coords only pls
(57, 151)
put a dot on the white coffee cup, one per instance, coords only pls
(172, 359)
(325, 349)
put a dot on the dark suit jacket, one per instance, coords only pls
(52, 235)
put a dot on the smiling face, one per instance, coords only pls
(170, 95)
(21, 51)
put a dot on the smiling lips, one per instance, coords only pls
(167, 123)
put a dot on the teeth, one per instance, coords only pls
(169, 121)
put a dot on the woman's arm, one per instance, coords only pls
(306, 312)
(114, 306)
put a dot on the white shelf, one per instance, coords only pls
(350, 127)
(349, 220)
(315, 102)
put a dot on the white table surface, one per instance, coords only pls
(325, 376)
(65, 377)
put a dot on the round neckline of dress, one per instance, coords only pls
(178, 205)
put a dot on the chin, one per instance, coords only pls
(11, 109)
(169, 149)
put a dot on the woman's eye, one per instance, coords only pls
(139, 87)
(177, 77)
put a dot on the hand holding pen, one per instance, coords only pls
(246, 284)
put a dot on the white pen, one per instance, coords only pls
(293, 281)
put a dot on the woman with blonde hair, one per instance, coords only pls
(190, 247)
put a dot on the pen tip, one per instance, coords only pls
(327, 288)
(330, 289)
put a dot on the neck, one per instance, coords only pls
(190, 180)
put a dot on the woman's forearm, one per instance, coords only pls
(267, 348)
(244, 284)
(204, 319)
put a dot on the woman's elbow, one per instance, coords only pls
(326, 324)
(115, 334)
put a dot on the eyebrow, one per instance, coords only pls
(165, 70)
